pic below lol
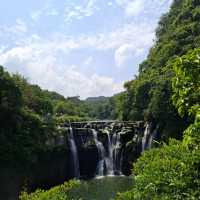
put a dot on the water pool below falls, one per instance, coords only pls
(101, 189)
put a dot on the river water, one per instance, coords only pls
(105, 188)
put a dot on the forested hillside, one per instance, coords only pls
(168, 85)
(30, 115)
(149, 95)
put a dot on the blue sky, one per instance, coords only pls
(78, 47)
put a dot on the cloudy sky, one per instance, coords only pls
(78, 47)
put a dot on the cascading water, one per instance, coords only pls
(110, 163)
(147, 132)
(109, 159)
(101, 153)
(148, 137)
(74, 154)
(153, 136)
(110, 151)
(117, 156)
(113, 161)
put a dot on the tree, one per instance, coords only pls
(186, 83)
(10, 95)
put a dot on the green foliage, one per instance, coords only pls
(98, 189)
(34, 99)
(186, 86)
(186, 83)
(148, 96)
(100, 107)
(28, 120)
(29, 115)
(56, 193)
(67, 118)
(101, 189)
(117, 106)
(65, 107)
(10, 95)
(22, 138)
(170, 172)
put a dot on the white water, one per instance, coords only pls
(148, 137)
(113, 161)
(101, 153)
(109, 159)
(152, 136)
(117, 156)
(145, 138)
(74, 154)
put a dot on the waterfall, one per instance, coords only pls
(153, 136)
(147, 132)
(101, 154)
(117, 156)
(109, 163)
(148, 137)
(110, 141)
(74, 154)
(109, 159)
(113, 160)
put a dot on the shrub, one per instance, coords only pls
(56, 193)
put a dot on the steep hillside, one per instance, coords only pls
(149, 95)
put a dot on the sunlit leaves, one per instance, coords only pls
(186, 83)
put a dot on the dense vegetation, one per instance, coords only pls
(95, 189)
(169, 84)
(172, 172)
(56, 193)
(29, 117)
(148, 96)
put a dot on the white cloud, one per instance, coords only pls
(110, 3)
(37, 58)
(46, 10)
(88, 61)
(35, 15)
(123, 53)
(134, 8)
(43, 60)
(52, 12)
(126, 52)
(139, 52)
(78, 12)
(18, 28)
(38, 62)
(2, 48)
(138, 35)
(131, 7)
